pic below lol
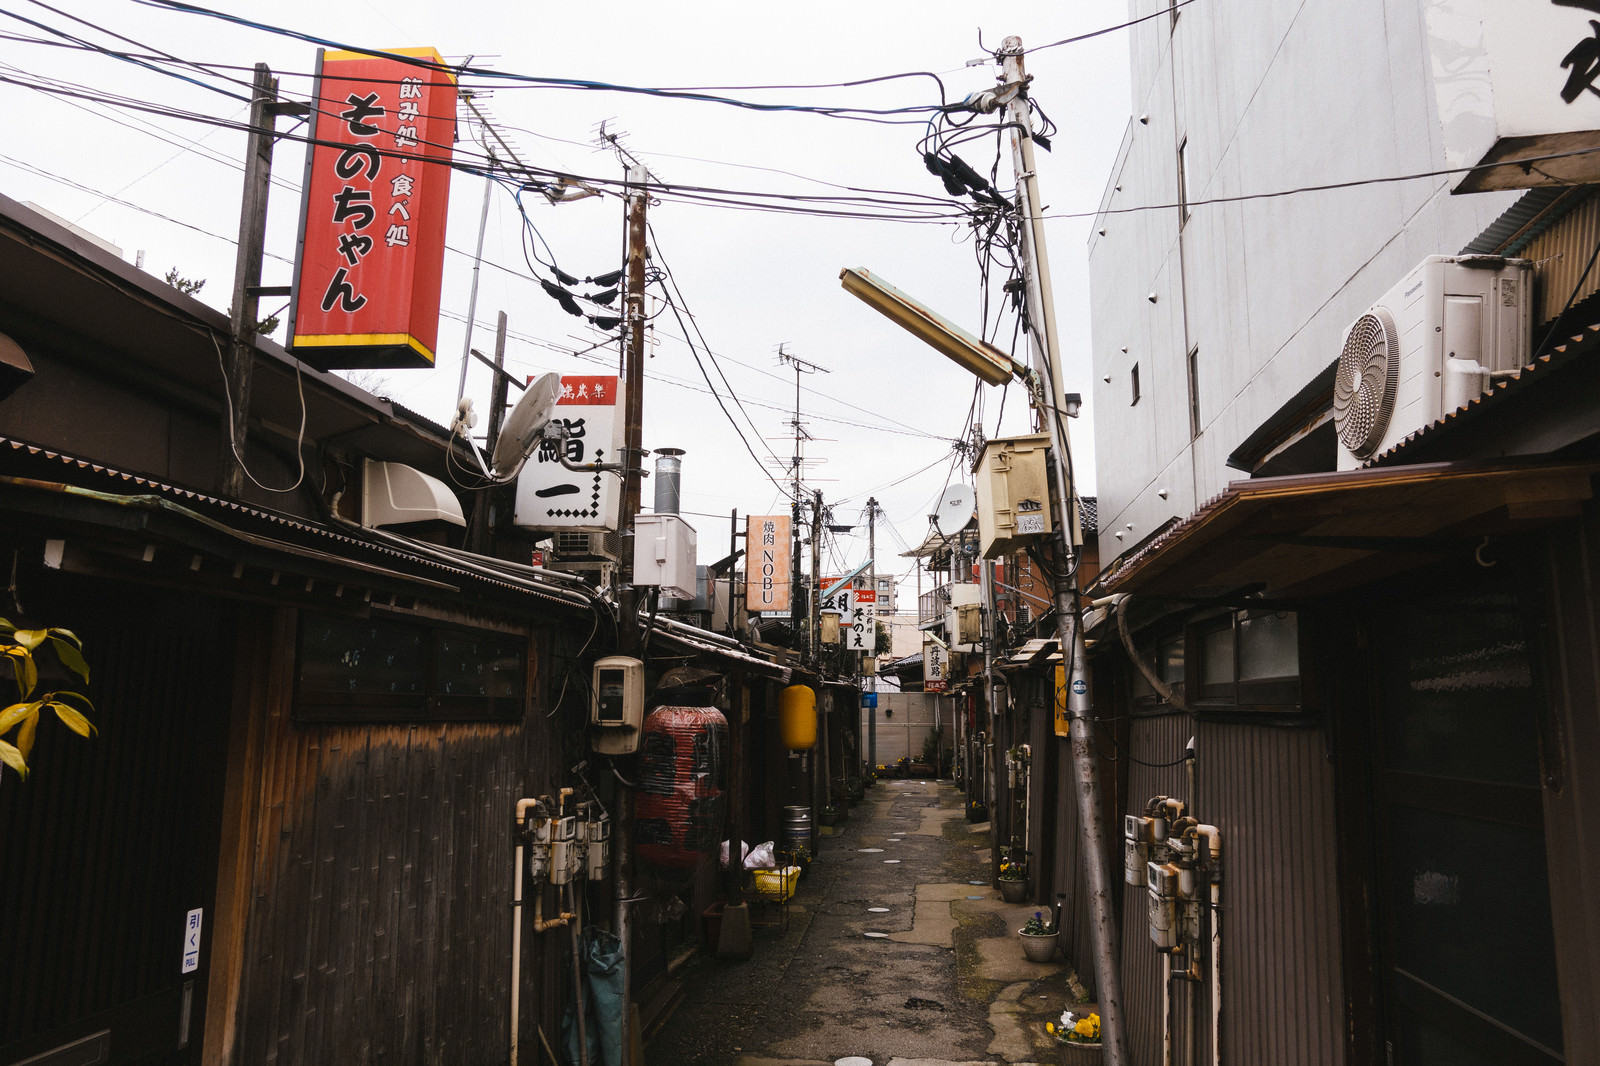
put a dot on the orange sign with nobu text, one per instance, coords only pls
(371, 254)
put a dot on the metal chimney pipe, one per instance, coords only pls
(669, 470)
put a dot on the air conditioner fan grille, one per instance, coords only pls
(1364, 385)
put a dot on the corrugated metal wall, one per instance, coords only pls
(1563, 252)
(1270, 792)
(1152, 741)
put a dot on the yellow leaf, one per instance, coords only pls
(13, 758)
(30, 638)
(11, 716)
(30, 726)
(70, 652)
(71, 718)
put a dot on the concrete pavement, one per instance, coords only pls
(898, 952)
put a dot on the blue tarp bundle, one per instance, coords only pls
(603, 1007)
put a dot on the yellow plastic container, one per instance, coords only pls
(797, 717)
(777, 884)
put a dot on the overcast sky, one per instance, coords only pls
(885, 412)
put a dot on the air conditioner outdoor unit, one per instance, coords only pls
(576, 547)
(1429, 346)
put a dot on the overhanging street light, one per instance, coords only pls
(978, 356)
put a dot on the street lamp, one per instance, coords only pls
(978, 356)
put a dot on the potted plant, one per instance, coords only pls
(977, 811)
(1013, 880)
(1075, 1031)
(1038, 938)
(829, 815)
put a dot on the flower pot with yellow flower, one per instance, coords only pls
(1078, 1035)
(1013, 880)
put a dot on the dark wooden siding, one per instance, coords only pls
(1571, 763)
(112, 840)
(380, 927)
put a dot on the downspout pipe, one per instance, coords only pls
(1162, 689)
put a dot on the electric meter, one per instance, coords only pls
(617, 704)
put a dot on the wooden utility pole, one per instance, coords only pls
(872, 675)
(246, 304)
(627, 597)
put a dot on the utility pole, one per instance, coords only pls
(797, 585)
(627, 599)
(872, 675)
(813, 592)
(1067, 542)
(246, 306)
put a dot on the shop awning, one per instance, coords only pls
(1313, 534)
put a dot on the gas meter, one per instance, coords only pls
(563, 849)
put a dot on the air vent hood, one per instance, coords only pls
(394, 494)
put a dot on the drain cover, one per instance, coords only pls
(877, 851)
(882, 910)
(852, 1060)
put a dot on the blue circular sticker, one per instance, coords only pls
(1079, 687)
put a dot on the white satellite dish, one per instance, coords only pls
(521, 432)
(955, 509)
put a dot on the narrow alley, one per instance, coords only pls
(898, 950)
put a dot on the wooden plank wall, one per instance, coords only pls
(380, 918)
(1571, 758)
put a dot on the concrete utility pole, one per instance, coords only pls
(1068, 541)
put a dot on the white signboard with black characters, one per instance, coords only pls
(552, 496)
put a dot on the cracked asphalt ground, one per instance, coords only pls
(898, 951)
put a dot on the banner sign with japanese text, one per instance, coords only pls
(767, 547)
(552, 496)
(377, 188)
(935, 667)
(1517, 81)
(861, 618)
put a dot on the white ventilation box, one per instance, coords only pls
(1428, 347)
(394, 494)
(664, 555)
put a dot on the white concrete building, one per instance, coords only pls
(1219, 290)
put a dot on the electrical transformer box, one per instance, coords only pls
(664, 555)
(1013, 490)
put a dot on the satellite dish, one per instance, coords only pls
(521, 431)
(955, 509)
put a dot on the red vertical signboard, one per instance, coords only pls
(371, 254)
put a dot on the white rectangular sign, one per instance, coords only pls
(191, 940)
(935, 667)
(549, 495)
(767, 572)
(861, 618)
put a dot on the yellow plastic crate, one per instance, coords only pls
(777, 884)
